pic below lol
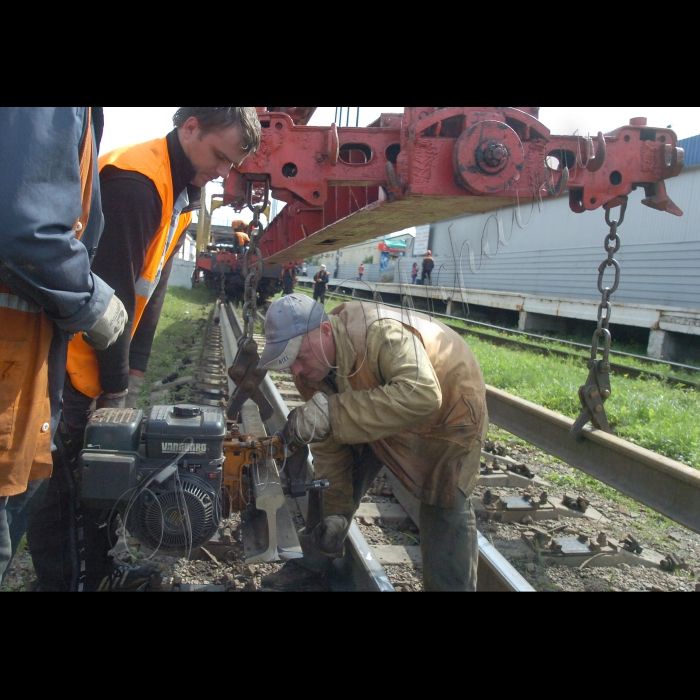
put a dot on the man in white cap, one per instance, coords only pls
(383, 387)
(321, 284)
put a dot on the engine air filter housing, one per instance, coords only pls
(114, 429)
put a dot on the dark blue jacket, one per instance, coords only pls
(41, 260)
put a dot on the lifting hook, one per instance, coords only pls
(595, 164)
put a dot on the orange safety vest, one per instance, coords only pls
(152, 160)
(25, 406)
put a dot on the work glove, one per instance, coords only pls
(329, 535)
(117, 400)
(109, 327)
(135, 381)
(310, 422)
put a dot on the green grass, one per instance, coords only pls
(182, 321)
(651, 413)
(181, 303)
(658, 368)
(632, 348)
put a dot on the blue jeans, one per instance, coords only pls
(449, 540)
(14, 517)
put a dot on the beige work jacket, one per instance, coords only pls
(410, 387)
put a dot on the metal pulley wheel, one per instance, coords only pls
(488, 157)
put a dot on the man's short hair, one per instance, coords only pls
(217, 118)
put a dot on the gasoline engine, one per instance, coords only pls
(174, 475)
(162, 473)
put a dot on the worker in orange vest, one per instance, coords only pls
(242, 238)
(361, 271)
(148, 192)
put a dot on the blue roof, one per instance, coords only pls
(691, 147)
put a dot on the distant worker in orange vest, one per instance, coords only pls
(148, 192)
(241, 237)
(361, 271)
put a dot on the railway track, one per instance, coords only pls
(527, 540)
(387, 514)
(534, 523)
(538, 528)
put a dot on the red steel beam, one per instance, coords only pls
(346, 185)
(299, 115)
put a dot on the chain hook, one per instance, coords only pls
(253, 271)
(596, 390)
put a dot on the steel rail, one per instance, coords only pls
(494, 572)
(584, 346)
(662, 484)
(228, 338)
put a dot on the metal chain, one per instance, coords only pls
(253, 271)
(597, 387)
(611, 246)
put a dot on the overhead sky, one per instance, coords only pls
(561, 120)
(125, 125)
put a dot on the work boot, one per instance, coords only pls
(292, 577)
(132, 578)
